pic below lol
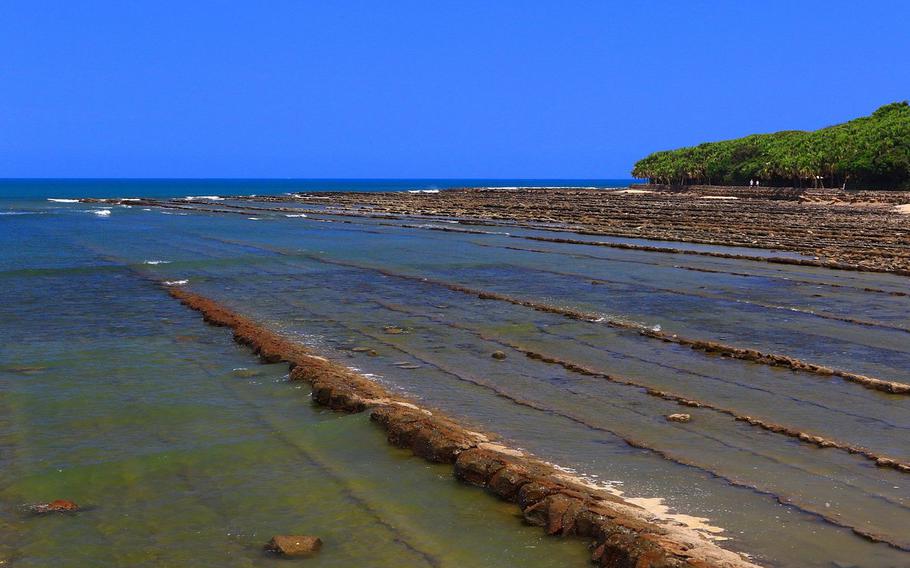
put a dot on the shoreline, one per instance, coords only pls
(623, 533)
(862, 231)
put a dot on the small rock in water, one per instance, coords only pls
(57, 506)
(393, 330)
(245, 373)
(373, 353)
(679, 417)
(360, 349)
(24, 369)
(294, 545)
(498, 355)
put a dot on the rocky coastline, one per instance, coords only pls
(620, 533)
(829, 228)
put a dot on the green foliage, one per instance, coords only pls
(868, 152)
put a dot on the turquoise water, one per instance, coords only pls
(189, 452)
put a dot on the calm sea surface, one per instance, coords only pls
(187, 452)
(42, 188)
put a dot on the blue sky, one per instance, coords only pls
(558, 89)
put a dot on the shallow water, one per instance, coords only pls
(186, 451)
(137, 404)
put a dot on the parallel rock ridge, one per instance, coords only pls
(623, 534)
(845, 229)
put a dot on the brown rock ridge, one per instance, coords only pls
(835, 229)
(709, 347)
(623, 535)
(809, 438)
(847, 230)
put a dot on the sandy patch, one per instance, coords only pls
(904, 209)
(634, 191)
(718, 197)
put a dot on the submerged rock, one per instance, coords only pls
(680, 417)
(245, 373)
(24, 369)
(294, 545)
(393, 330)
(498, 355)
(57, 506)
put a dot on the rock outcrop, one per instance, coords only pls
(623, 534)
(294, 545)
(56, 506)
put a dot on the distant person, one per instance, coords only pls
(751, 183)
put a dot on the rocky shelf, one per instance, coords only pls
(620, 533)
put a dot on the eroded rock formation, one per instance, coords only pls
(622, 534)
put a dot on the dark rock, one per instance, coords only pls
(557, 513)
(294, 545)
(498, 355)
(476, 466)
(508, 481)
(430, 437)
(531, 493)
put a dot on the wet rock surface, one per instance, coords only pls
(294, 545)
(679, 417)
(56, 506)
(846, 229)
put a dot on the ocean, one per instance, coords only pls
(184, 450)
(24, 189)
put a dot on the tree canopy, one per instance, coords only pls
(868, 152)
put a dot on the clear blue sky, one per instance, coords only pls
(558, 89)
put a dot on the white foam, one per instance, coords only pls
(210, 197)
(102, 212)
(423, 191)
(62, 200)
(156, 262)
(175, 282)
(254, 218)
(300, 215)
